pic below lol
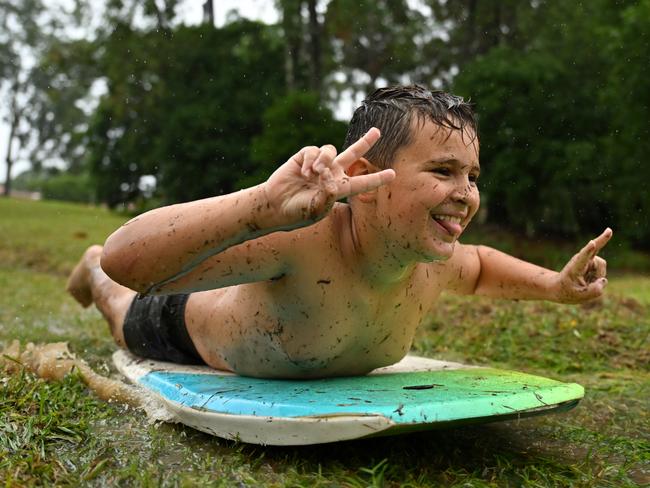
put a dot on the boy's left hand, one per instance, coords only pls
(583, 277)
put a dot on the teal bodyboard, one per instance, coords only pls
(416, 394)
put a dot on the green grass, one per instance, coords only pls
(50, 236)
(59, 433)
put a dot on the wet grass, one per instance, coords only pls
(59, 433)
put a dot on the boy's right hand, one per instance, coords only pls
(305, 188)
(583, 278)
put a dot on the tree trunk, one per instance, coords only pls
(208, 12)
(469, 48)
(315, 68)
(289, 79)
(160, 15)
(496, 26)
(292, 26)
(9, 159)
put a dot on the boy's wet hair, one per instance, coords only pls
(393, 109)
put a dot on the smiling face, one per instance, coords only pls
(434, 195)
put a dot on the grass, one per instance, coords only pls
(59, 433)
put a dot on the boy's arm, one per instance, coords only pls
(489, 272)
(154, 251)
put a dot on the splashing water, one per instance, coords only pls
(53, 361)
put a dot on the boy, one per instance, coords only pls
(280, 280)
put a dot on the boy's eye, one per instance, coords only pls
(473, 178)
(442, 171)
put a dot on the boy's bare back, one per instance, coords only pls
(287, 283)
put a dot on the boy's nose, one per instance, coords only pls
(460, 193)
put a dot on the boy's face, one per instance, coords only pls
(434, 194)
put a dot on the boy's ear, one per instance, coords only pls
(363, 167)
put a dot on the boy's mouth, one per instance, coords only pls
(448, 223)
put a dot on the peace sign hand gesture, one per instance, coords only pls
(583, 277)
(304, 189)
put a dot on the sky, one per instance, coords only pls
(191, 13)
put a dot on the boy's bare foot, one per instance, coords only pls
(79, 280)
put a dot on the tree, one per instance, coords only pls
(627, 94)
(474, 27)
(44, 76)
(288, 123)
(20, 37)
(376, 39)
(548, 119)
(305, 45)
(58, 114)
(183, 106)
(219, 132)
(150, 14)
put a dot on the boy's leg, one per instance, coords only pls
(88, 283)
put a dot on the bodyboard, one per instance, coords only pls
(415, 394)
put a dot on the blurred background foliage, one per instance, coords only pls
(142, 110)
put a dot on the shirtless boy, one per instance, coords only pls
(282, 280)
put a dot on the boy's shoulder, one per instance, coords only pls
(460, 271)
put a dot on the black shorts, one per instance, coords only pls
(154, 328)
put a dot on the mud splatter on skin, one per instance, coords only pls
(385, 338)
(252, 227)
